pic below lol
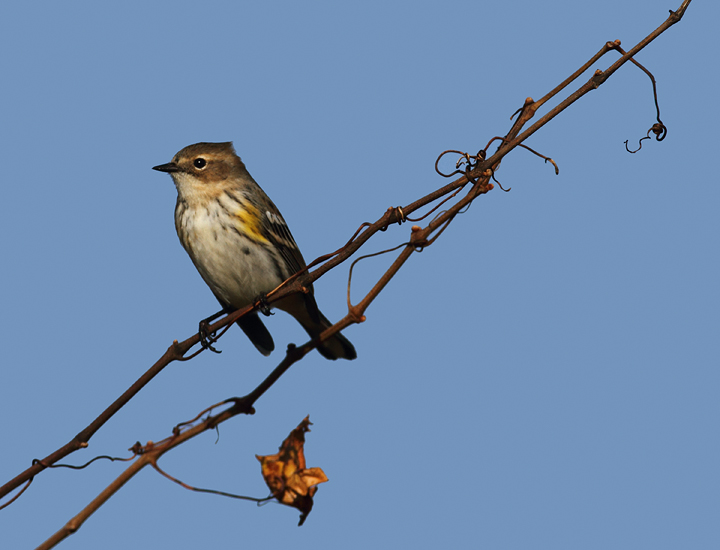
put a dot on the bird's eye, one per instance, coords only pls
(200, 163)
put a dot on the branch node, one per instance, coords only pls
(397, 213)
(356, 312)
(241, 404)
(176, 350)
(470, 162)
(401, 215)
(417, 238)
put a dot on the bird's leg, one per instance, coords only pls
(207, 338)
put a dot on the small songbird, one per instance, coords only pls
(239, 242)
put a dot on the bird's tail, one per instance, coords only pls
(305, 310)
(258, 333)
(337, 347)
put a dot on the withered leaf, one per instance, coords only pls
(285, 473)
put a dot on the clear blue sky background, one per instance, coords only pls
(544, 376)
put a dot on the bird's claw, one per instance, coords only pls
(263, 306)
(207, 338)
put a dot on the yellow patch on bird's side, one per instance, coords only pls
(249, 216)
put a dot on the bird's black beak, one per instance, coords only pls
(170, 167)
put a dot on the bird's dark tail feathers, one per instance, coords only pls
(337, 347)
(305, 310)
(258, 333)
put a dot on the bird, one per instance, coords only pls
(240, 243)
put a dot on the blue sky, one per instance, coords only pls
(544, 376)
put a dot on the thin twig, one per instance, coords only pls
(162, 472)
